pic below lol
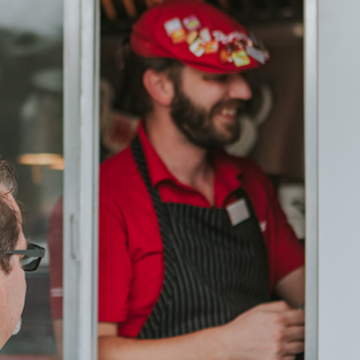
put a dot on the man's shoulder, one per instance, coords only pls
(118, 170)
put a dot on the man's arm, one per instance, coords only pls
(292, 288)
(271, 331)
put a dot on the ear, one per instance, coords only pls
(159, 86)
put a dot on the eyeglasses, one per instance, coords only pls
(32, 256)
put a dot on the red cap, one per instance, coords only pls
(198, 35)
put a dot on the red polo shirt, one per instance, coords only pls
(131, 264)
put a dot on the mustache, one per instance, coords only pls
(237, 104)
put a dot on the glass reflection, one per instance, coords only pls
(31, 138)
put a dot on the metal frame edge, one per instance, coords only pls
(81, 152)
(311, 176)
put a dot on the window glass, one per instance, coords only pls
(31, 128)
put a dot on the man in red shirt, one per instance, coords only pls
(192, 240)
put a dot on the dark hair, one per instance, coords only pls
(9, 221)
(138, 101)
(7, 176)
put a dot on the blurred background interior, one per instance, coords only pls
(31, 108)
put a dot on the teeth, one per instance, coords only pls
(226, 111)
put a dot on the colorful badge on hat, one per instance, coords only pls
(211, 47)
(225, 54)
(175, 30)
(229, 38)
(178, 36)
(260, 55)
(205, 35)
(197, 48)
(240, 58)
(201, 41)
(191, 37)
(192, 23)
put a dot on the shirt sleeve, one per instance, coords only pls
(115, 270)
(285, 252)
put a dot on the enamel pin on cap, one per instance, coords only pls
(198, 35)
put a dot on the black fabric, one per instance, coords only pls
(213, 271)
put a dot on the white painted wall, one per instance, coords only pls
(338, 179)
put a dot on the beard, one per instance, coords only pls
(197, 124)
(18, 327)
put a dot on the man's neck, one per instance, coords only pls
(187, 162)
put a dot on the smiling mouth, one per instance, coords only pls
(229, 109)
(228, 112)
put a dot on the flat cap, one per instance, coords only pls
(198, 35)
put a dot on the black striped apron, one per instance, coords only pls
(213, 271)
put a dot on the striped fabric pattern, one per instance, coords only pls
(213, 271)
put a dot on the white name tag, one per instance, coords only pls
(238, 212)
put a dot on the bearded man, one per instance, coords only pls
(193, 240)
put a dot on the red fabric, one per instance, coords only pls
(131, 262)
(153, 36)
(55, 246)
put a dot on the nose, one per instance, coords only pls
(239, 88)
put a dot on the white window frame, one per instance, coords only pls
(332, 120)
(311, 175)
(81, 152)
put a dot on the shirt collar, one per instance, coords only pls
(227, 173)
(226, 167)
(157, 170)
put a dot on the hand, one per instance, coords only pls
(270, 331)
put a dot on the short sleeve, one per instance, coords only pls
(115, 270)
(285, 252)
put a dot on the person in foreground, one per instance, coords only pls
(16, 256)
(193, 240)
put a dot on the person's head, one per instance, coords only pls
(189, 57)
(12, 276)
